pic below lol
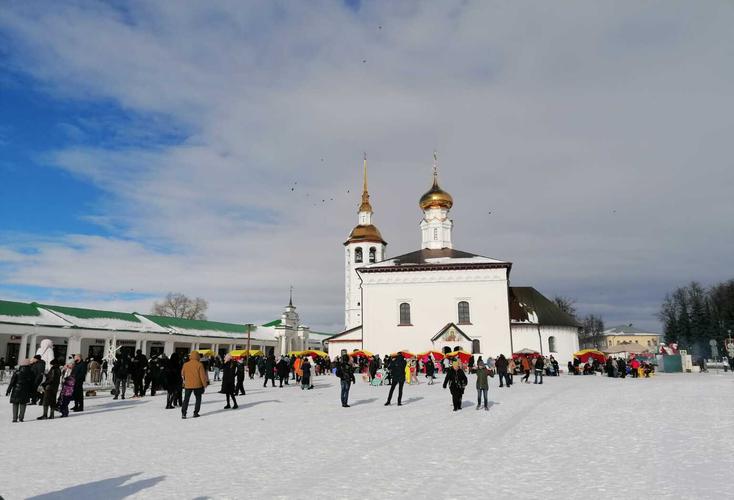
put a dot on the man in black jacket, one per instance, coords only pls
(270, 370)
(501, 366)
(38, 368)
(345, 371)
(539, 365)
(140, 364)
(79, 372)
(120, 374)
(397, 377)
(282, 369)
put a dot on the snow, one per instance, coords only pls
(45, 318)
(665, 437)
(107, 323)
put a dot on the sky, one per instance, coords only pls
(215, 148)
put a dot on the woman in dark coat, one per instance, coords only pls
(430, 371)
(306, 377)
(22, 384)
(456, 380)
(229, 370)
(173, 381)
(50, 389)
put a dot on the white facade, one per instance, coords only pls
(433, 298)
(436, 228)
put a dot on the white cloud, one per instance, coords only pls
(597, 134)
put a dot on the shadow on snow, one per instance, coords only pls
(109, 489)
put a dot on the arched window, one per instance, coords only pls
(458, 348)
(446, 349)
(475, 348)
(404, 313)
(373, 255)
(358, 255)
(552, 344)
(435, 233)
(464, 312)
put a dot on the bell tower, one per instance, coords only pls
(436, 226)
(363, 247)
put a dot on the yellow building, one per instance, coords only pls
(628, 334)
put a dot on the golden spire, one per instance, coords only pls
(365, 206)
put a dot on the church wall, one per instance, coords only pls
(566, 340)
(434, 297)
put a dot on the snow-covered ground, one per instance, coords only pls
(572, 437)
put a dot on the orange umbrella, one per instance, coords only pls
(462, 355)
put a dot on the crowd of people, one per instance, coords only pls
(613, 367)
(55, 385)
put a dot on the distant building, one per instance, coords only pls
(628, 334)
(92, 332)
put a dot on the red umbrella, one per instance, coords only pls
(462, 355)
(587, 354)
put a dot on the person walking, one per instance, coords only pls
(217, 368)
(251, 366)
(50, 388)
(397, 378)
(120, 374)
(195, 380)
(282, 369)
(430, 370)
(79, 372)
(138, 368)
(306, 374)
(20, 388)
(270, 370)
(482, 384)
(240, 389)
(345, 372)
(173, 381)
(105, 367)
(539, 367)
(456, 380)
(525, 363)
(502, 366)
(229, 387)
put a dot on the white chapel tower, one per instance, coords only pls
(436, 225)
(364, 246)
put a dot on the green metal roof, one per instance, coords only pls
(526, 301)
(90, 313)
(197, 324)
(8, 308)
(273, 323)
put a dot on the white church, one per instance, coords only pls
(440, 298)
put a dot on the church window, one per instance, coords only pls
(475, 347)
(404, 313)
(446, 350)
(358, 255)
(552, 344)
(464, 317)
(435, 233)
(373, 255)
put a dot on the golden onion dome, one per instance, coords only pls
(366, 232)
(436, 197)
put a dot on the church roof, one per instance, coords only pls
(527, 305)
(626, 330)
(365, 232)
(435, 260)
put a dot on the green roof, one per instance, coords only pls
(197, 324)
(90, 313)
(8, 308)
(526, 301)
(273, 323)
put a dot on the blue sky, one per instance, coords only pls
(215, 150)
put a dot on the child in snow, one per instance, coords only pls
(67, 393)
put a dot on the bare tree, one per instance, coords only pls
(566, 304)
(178, 305)
(591, 332)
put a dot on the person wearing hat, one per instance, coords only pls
(482, 373)
(20, 389)
(229, 387)
(456, 380)
(50, 388)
